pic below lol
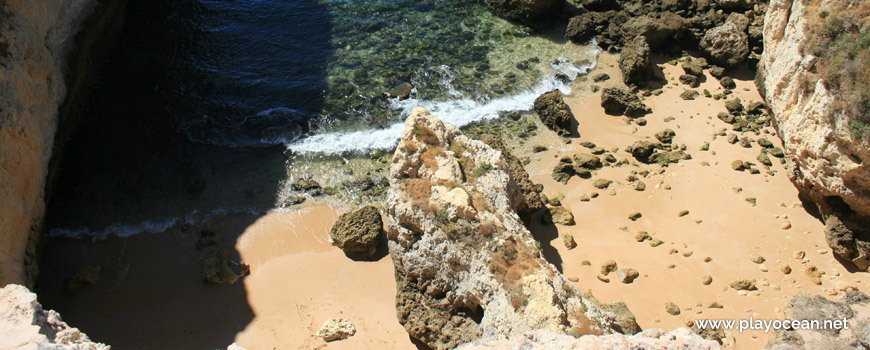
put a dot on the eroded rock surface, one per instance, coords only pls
(852, 309)
(824, 161)
(465, 265)
(652, 339)
(358, 233)
(24, 324)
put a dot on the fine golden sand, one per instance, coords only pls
(298, 280)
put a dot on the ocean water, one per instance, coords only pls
(205, 106)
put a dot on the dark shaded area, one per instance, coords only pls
(182, 111)
(547, 234)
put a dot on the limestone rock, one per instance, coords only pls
(743, 284)
(852, 308)
(726, 45)
(850, 243)
(824, 162)
(560, 215)
(336, 329)
(672, 309)
(530, 190)
(554, 112)
(628, 275)
(619, 101)
(465, 271)
(634, 61)
(358, 233)
(24, 324)
(36, 37)
(653, 339)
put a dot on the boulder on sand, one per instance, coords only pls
(358, 233)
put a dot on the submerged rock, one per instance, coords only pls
(465, 264)
(554, 112)
(24, 324)
(526, 11)
(358, 233)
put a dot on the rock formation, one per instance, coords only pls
(465, 265)
(852, 309)
(358, 233)
(634, 61)
(823, 160)
(24, 324)
(726, 45)
(36, 36)
(652, 339)
(554, 112)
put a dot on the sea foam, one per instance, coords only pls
(459, 112)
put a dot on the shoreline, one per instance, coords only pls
(269, 309)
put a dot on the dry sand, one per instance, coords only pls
(152, 283)
(721, 224)
(151, 295)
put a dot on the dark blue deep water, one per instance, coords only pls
(203, 105)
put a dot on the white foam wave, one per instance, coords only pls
(148, 226)
(459, 112)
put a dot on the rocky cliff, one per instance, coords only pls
(24, 324)
(35, 36)
(651, 339)
(825, 161)
(465, 265)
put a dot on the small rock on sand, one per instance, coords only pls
(634, 216)
(715, 305)
(784, 268)
(743, 284)
(785, 225)
(672, 309)
(602, 183)
(603, 278)
(569, 241)
(642, 236)
(336, 329)
(706, 280)
(655, 243)
(683, 213)
(814, 274)
(608, 267)
(627, 275)
(758, 259)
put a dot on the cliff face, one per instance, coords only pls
(35, 36)
(824, 161)
(465, 265)
(26, 325)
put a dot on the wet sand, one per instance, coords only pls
(720, 225)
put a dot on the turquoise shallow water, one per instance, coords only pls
(205, 106)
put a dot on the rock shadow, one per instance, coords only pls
(546, 235)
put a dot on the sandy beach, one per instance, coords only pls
(721, 224)
(298, 280)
